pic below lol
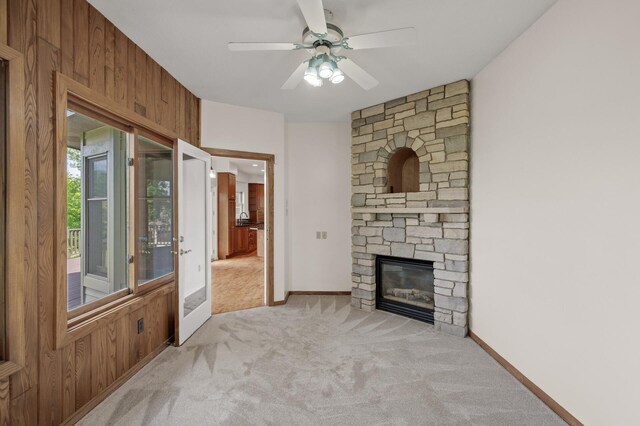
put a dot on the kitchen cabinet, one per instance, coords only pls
(256, 202)
(260, 243)
(226, 214)
(242, 240)
(253, 240)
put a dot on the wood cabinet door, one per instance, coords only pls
(232, 187)
(253, 240)
(242, 239)
(232, 226)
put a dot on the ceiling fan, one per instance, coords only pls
(326, 42)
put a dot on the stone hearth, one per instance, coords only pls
(431, 224)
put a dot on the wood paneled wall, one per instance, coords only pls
(72, 37)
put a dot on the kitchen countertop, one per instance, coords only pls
(250, 225)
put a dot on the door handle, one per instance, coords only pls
(184, 251)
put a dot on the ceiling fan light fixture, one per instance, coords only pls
(337, 77)
(311, 75)
(315, 82)
(326, 68)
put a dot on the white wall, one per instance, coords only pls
(319, 195)
(247, 129)
(555, 207)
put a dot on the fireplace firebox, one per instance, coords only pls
(405, 287)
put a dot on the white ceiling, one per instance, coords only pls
(247, 167)
(456, 39)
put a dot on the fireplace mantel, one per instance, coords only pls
(410, 210)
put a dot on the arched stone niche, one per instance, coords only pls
(403, 173)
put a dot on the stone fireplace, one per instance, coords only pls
(410, 186)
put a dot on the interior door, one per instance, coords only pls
(194, 239)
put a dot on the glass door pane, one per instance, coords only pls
(155, 210)
(96, 241)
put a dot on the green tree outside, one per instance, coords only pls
(73, 189)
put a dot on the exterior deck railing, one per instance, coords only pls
(73, 243)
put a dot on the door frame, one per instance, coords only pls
(270, 160)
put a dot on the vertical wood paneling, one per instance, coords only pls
(66, 37)
(68, 380)
(140, 84)
(83, 371)
(22, 37)
(112, 360)
(5, 403)
(96, 51)
(22, 408)
(109, 59)
(50, 395)
(81, 41)
(122, 346)
(49, 21)
(99, 361)
(71, 37)
(120, 65)
(4, 30)
(131, 75)
(150, 100)
(136, 342)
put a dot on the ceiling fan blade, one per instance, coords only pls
(399, 37)
(313, 12)
(244, 47)
(295, 78)
(357, 74)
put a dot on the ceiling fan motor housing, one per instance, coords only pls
(334, 35)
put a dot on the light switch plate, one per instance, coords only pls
(318, 235)
(324, 235)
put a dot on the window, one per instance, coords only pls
(97, 182)
(119, 212)
(115, 178)
(239, 204)
(3, 168)
(155, 210)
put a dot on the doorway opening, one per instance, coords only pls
(242, 198)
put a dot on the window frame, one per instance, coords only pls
(14, 357)
(70, 325)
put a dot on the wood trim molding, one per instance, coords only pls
(310, 293)
(91, 97)
(245, 155)
(270, 160)
(7, 368)
(17, 316)
(542, 395)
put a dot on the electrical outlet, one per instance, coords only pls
(318, 235)
(324, 235)
(140, 325)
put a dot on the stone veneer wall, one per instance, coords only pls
(432, 224)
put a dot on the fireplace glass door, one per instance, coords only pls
(405, 286)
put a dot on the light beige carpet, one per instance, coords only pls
(317, 361)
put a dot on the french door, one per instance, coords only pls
(194, 239)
